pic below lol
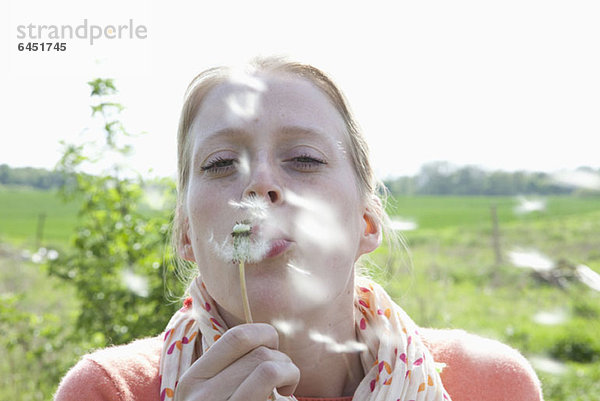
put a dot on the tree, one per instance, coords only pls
(119, 260)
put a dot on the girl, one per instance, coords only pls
(276, 195)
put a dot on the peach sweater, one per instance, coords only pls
(477, 369)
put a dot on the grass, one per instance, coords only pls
(21, 209)
(36, 303)
(451, 279)
(437, 212)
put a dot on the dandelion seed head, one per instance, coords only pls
(244, 244)
(248, 249)
(241, 229)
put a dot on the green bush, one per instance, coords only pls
(577, 347)
(119, 260)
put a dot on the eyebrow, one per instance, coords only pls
(297, 129)
(222, 133)
(233, 132)
(225, 133)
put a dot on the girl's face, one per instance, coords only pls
(279, 138)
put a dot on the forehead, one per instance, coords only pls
(267, 100)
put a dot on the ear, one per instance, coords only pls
(371, 235)
(184, 244)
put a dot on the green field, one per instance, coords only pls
(21, 209)
(449, 278)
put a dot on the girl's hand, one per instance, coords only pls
(244, 364)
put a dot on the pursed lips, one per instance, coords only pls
(277, 247)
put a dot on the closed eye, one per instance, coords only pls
(219, 165)
(307, 163)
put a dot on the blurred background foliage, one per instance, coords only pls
(85, 260)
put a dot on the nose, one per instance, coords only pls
(264, 183)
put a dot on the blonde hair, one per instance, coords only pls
(371, 189)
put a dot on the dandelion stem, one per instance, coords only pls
(247, 312)
(241, 232)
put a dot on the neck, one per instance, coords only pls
(308, 340)
(324, 371)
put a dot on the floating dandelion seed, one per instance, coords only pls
(318, 222)
(25, 254)
(256, 207)
(578, 179)
(551, 318)
(531, 259)
(52, 254)
(548, 365)
(335, 346)
(244, 164)
(296, 269)
(530, 205)
(312, 289)
(244, 104)
(155, 199)
(41, 255)
(403, 225)
(287, 327)
(240, 77)
(588, 277)
(136, 283)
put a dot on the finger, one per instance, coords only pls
(235, 343)
(226, 382)
(236, 373)
(266, 376)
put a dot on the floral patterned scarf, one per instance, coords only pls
(398, 366)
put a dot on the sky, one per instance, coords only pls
(505, 85)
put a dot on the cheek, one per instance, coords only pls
(329, 225)
(200, 209)
(205, 212)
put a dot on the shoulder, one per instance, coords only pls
(124, 372)
(480, 368)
